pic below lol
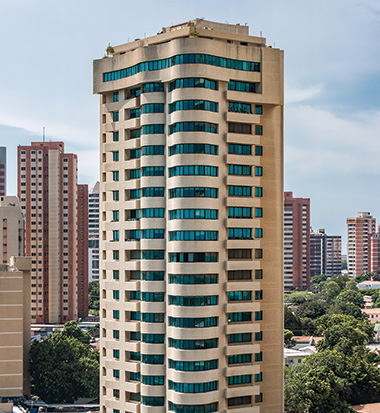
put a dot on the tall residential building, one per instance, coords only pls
(191, 222)
(296, 242)
(48, 193)
(14, 331)
(12, 228)
(3, 170)
(93, 232)
(325, 254)
(82, 249)
(359, 230)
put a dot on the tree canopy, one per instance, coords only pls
(63, 367)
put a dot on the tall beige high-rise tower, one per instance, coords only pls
(191, 222)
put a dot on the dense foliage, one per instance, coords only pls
(63, 367)
(343, 372)
(93, 297)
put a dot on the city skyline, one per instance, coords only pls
(331, 112)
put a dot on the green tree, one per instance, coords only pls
(330, 290)
(328, 321)
(318, 281)
(363, 277)
(291, 321)
(63, 368)
(71, 329)
(297, 297)
(351, 296)
(312, 309)
(288, 339)
(93, 296)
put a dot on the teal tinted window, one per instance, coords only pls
(238, 149)
(152, 359)
(193, 365)
(258, 150)
(115, 116)
(239, 107)
(135, 153)
(239, 233)
(134, 173)
(258, 315)
(193, 387)
(152, 233)
(242, 379)
(240, 359)
(134, 235)
(115, 274)
(258, 109)
(193, 257)
(189, 170)
(116, 314)
(193, 127)
(152, 87)
(153, 317)
(239, 295)
(135, 295)
(239, 170)
(116, 334)
(152, 129)
(259, 295)
(115, 156)
(135, 315)
(239, 317)
(153, 213)
(193, 235)
(135, 113)
(152, 401)
(194, 148)
(258, 377)
(133, 93)
(193, 192)
(193, 322)
(239, 190)
(258, 232)
(240, 338)
(115, 176)
(153, 254)
(116, 374)
(115, 96)
(134, 133)
(193, 82)
(134, 376)
(152, 150)
(259, 336)
(135, 356)
(153, 191)
(258, 212)
(191, 58)
(242, 86)
(193, 105)
(193, 301)
(194, 408)
(135, 336)
(153, 275)
(193, 344)
(153, 108)
(194, 214)
(258, 171)
(153, 338)
(116, 354)
(239, 212)
(153, 297)
(258, 130)
(135, 194)
(115, 136)
(192, 279)
(259, 356)
(258, 191)
(115, 294)
(153, 380)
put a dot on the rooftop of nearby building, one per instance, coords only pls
(367, 408)
(369, 284)
(197, 27)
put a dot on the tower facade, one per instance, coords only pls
(296, 242)
(3, 170)
(191, 222)
(93, 232)
(48, 193)
(12, 229)
(359, 231)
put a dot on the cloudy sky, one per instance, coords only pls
(332, 84)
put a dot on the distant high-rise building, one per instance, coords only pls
(93, 232)
(325, 254)
(48, 193)
(3, 170)
(296, 242)
(191, 222)
(359, 230)
(14, 331)
(82, 249)
(317, 252)
(12, 229)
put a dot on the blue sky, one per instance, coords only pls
(332, 84)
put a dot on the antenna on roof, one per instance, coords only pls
(43, 134)
(261, 33)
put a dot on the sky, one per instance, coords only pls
(332, 85)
